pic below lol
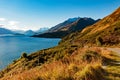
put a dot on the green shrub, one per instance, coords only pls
(38, 78)
(90, 55)
(24, 55)
(99, 41)
(14, 61)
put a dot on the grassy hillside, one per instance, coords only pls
(105, 32)
(74, 58)
(83, 64)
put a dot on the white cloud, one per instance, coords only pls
(9, 24)
(13, 23)
(2, 19)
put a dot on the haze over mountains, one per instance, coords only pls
(67, 27)
(28, 32)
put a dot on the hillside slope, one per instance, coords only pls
(104, 32)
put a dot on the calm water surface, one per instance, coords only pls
(11, 47)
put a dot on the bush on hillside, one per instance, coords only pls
(24, 55)
(99, 41)
(91, 73)
(88, 56)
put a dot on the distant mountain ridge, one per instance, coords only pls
(67, 27)
(62, 25)
(42, 30)
(29, 32)
(5, 31)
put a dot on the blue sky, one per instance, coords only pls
(35, 14)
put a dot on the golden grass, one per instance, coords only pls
(69, 68)
(113, 69)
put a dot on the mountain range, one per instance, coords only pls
(21, 32)
(62, 25)
(69, 26)
(60, 30)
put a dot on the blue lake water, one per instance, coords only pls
(11, 47)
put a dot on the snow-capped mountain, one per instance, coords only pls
(29, 33)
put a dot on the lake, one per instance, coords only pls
(11, 47)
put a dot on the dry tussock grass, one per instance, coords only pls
(69, 68)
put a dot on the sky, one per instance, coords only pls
(36, 14)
